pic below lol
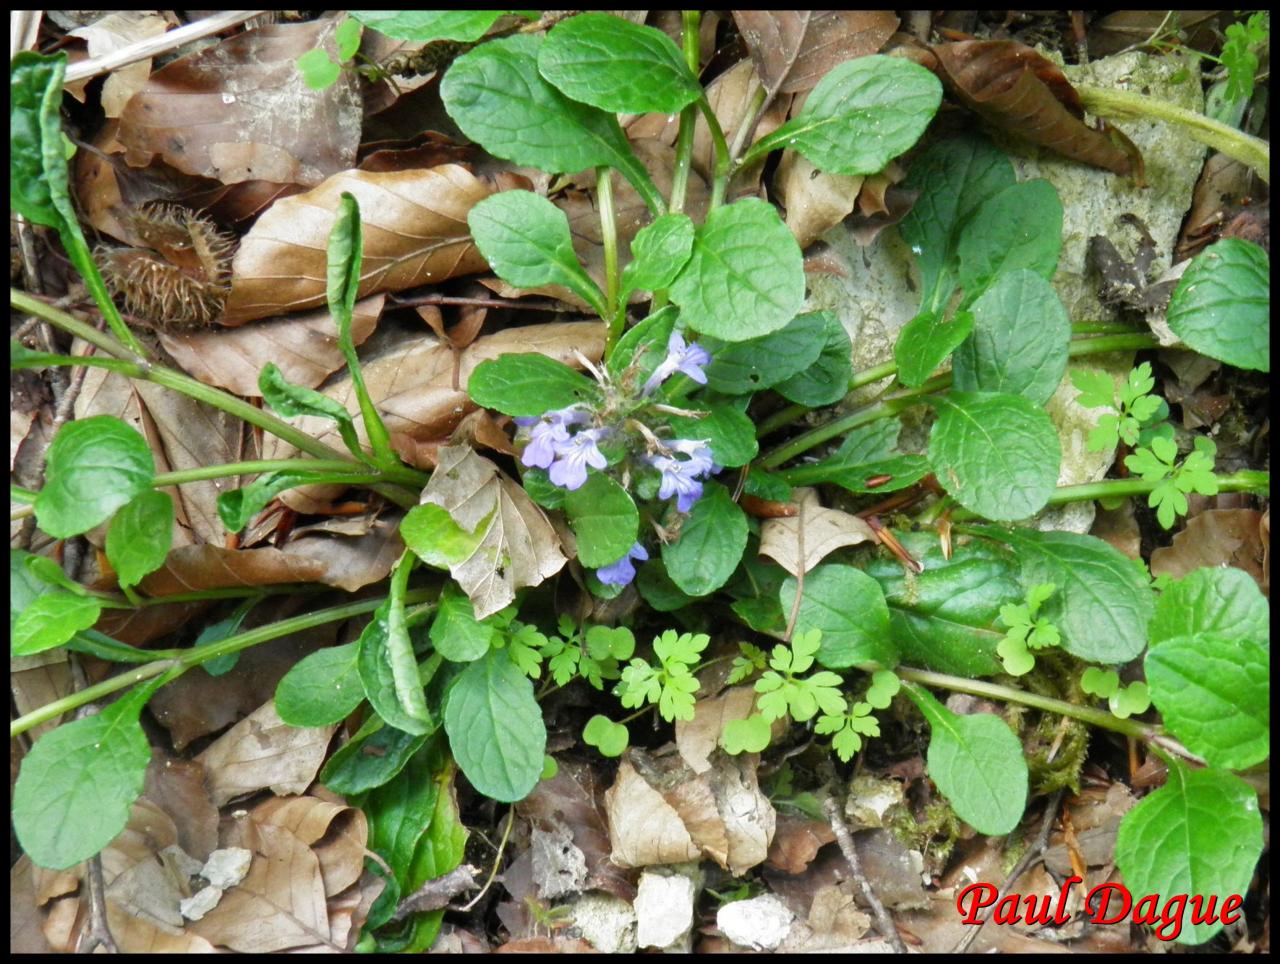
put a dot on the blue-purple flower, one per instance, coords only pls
(569, 470)
(687, 358)
(547, 434)
(621, 573)
(680, 477)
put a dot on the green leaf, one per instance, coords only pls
(849, 608)
(739, 368)
(495, 728)
(1221, 601)
(749, 735)
(1222, 305)
(826, 381)
(647, 342)
(319, 72)
(730, 433)
(400, 813)
(78, 783)
(1214, 693)
(388, 669)
(1103, 603)
(499, 100)
(525, 238)
(347, 38)
(293, 401)
(426, 26)
(977, 763)
(52, 619)
(237, 507)
(35, 99)
(746, 275)
(95, 465)
(711, 543)
(659, 251)
(925, 342)
(435, 538)
(321, 688)
(370, 758)
(941, 618)
(604, 519)
(1096, 388)
(1020, 227)
(860, 116)
(995, 454)
(1200, 834)
(608, 737)
(528, 384)
(456, 633)
(140, 536)
(618, 66)
(1019, 341)
(657, 589)
(954, 177)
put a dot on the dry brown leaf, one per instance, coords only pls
(415, 233)
(263, 751)
(825, 531)
(793, 49)
(1119, 528)
(1126, 28)
(279, 905)
(109, 34)
(303, 346)
(546, 945)
(338, 835)
(137, 880)
(257, 118)
(411, 383)
(696, 739)
(134, 935)
(38, 680)
(519, 548)
(213, 567)
(352, 562)
(25, 934)
(796, 841)
(1016, 89)
(815, 201)
(19, 426)
(1216, 537)
(643, 828)
(177, 786)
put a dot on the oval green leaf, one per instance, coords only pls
(1019, 227)
(749, 366)
(849, 607)
(322, 688)
(95, 465)
(1222, 305)
(426, 26)
(52, 619)
(746, 275)
(658, 252)
(729, 432)
(618, 66)
(996, 454)
(495, 728)
(528, 384)
(712, 540)
(140, 536)
(1212, 600)
(604, 519)
(456, 633)
(826, 381)
(925, 342)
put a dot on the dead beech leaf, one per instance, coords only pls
(303, 346)
(177, 787)
(519, 548)
(263, 751)
(696, 739)
(109, 34)
(1215, 537)
(1126, 28)
(412, 383)
(796, 841)
(1014, 88)
(815, 201)
(337, 834)
(255, 117)
(279, 905)
(213, 567)
(415, 233)
(137, 880)
(825, 531)
(25, 936)
(644, 828)
(793, 49)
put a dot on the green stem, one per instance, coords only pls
(230, 469)
(688, 117)
(200, 654)
(1109, 102)
(722, 153)
(18, 494)
(615, 314)
(749, 121)
(210, 595)
(134, 366)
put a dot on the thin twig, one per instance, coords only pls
(497, 861)
(884, 923)
(1034, 855)
(162, 44)
(483, 303)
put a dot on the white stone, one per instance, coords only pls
(761, 923)
(664, 908)
(227, 867)
(608, 922)
(200, 903)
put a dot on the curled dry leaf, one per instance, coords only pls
(793, 49)
(1216, 537)
(519, 548)
(303, 346)
(1017, 90)
(419, 385)
(644, 828)
(258, 119)
(415, 233)
(263, 751)
(338, 834)
(815, 201)
(109, 34)
(825, 531)
(696, 739)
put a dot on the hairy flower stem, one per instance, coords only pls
(722, 172)
(913, 396)
(616, 314)
(1009, 694)
(131, 365)
(1109, 102)
(688, 119)
(253, 467)
(201, 654)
